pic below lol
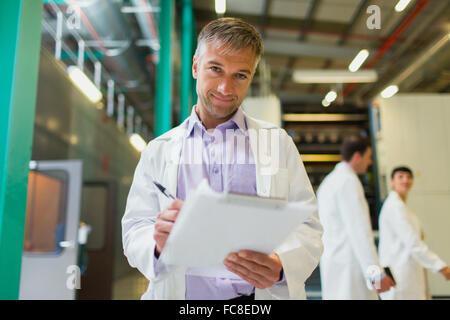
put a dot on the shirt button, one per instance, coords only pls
(216, 170)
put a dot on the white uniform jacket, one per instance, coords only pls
(279, 173)
(349, 250)
(401, 249)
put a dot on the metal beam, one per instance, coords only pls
(285, 73)
(307, 22)
(265, 16)
(390, 41)
(291, 48)
(359, 10)
(163, 106)
(291, 61)
(20, 31)
(325, 28)
(421, 58)
(289, 97)
(362, 5)
(186, 59)
(194, 47)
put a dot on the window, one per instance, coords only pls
(46, 212)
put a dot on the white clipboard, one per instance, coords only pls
(211, 225)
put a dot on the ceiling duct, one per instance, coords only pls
(105, 30)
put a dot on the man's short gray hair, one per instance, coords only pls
(233, 34)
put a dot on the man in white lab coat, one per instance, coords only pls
(401, 247)
(225, 61)
(349, 264)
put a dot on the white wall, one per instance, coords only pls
(263, 108)
(415, 131)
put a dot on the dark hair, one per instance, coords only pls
(401, 169)
(353, 144)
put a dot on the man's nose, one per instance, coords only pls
(225, 87)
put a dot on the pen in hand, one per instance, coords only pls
(164, 190)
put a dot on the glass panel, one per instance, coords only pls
(46, 212)
(93, 213)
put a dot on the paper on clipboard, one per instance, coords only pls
(211, 225)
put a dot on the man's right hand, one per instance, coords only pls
(164, 224)
(385, 284)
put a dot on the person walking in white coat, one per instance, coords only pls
(401, 247)
(224, 64)
(349, 264)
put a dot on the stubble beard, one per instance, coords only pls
(209, 107)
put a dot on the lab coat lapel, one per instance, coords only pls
(170, 174)
(261, 156)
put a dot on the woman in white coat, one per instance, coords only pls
(401, 247)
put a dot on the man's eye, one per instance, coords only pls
(215, 69)
(241, 76)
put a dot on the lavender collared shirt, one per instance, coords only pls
(223, 157)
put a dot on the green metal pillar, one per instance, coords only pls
(194, 47)
(186, 59)
(20, 31)
(163, 105)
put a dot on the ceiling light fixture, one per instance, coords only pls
(401, 5)
(81, 80)
(331, 96)
(325, 103)
(334, 76)
(358, 60)
(221, 6)
(389, 91)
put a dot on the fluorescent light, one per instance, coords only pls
(137, 142)
(331, 96)
(86, 86)
(321, 157)
(325, 103)
(358, 60)
(323, 117)
(143, 9)
(401, 5)
(221, 6)
(334, 76)
(389, 91)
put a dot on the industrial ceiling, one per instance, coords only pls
(409, 48)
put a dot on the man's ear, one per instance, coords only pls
(356, 157)
(195, 67)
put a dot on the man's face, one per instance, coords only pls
(402, 182)
(364, 161)
(222, 79)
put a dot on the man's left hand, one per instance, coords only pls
(260, 270)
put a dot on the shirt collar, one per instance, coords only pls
(238, 119)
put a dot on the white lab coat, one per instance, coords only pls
(349, 248)
(403, 251)
(299, 254)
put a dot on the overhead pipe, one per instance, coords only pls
(389, 42)
(111, 60)
(147, 24)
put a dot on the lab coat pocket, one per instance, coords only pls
(280, 184)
